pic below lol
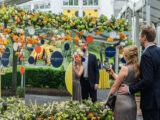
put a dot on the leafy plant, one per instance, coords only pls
(20, 91)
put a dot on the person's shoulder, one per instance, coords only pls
(124, 68)
(150, 51)
(90, 54)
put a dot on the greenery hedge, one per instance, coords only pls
(46, 77)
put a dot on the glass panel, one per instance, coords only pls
(36, 6)
(90, 2)
(47, 5)
(42, 6)
(65, 2)
(76, 2)
(95, 2)
(70, 2)
(84, 2)
(28, 7)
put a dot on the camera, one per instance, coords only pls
(107, 66)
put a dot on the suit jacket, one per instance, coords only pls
(149, 85)
(93, 72)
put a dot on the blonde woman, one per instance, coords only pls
(77, 72)
(125, 106)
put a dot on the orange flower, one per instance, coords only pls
(22, 13)
(76, 38)
(77, 33)
(52, 118)
(93, 20)
(43, 36)
(82, 33)
(36, 15)
(39, 118)
(17, 53)
(110, 39)
(121, 51)
(111, 24)
(31, 16)
(53, 41)
(46, 19)
(55, 45)
(3, 7)
(21, 59)
(50, 38)
(76, 47)
(49, 32)
(98, 33)
(9, 30)
(122, 36)
(1, 50)
(18, 20)
(11, 35)
(98, 118)
(118, 47)
(90, 115)
(120, 21)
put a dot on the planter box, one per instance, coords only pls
(139, 112)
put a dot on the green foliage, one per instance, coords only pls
(137, 94)
(20, 91)
(47, 77)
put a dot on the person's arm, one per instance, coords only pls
(147, 74)
(114, 75)
(123, 72)
(80, 72)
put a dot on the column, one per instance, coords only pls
(137, 33)
(80, 8)
(148, 12)
(130, 23)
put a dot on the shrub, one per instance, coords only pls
(20, 91)
(38, 77)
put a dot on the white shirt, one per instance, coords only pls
(85, 64)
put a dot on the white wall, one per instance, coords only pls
(106, 7)
(56, 6)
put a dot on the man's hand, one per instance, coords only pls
(123, 89)
(95, 86)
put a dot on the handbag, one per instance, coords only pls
(111, 101)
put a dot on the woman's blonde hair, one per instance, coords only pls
(131, 54)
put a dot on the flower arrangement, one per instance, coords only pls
(15, 17)
(15, 108)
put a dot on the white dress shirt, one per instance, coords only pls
(85, 64)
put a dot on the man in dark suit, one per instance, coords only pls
(90, 77)
(149, 85)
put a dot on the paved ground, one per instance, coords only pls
(41, 99)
